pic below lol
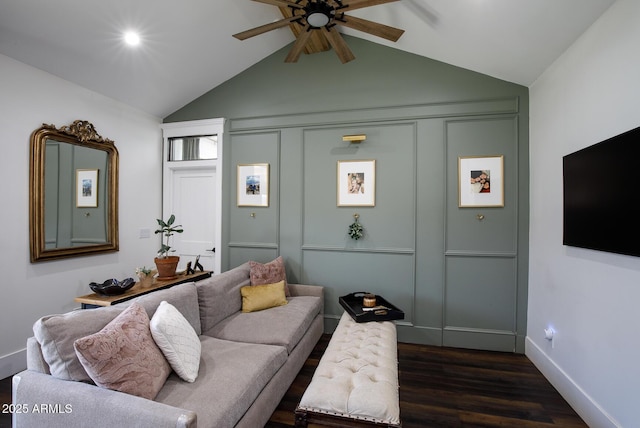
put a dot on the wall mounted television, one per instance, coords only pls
(601, 189)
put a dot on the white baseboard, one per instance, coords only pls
(582, 403)
(13, 363)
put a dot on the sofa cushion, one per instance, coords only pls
(269, 273)
(177, 340)
(184, 297)
(282, 325)
(231, 376)
(261, 297)
(56, 334)
(219, 296)
(123, 356)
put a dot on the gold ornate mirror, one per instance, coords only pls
(73, 190)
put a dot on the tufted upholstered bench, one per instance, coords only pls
(356, 381)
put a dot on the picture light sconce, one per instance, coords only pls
(354, 139)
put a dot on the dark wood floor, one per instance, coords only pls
(444, 387)
(5, 398)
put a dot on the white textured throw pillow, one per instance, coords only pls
(177, 340)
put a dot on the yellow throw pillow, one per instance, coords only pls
(259, 297)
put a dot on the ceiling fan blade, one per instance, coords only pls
(374, 28)
(339, 45)
(349, 5)
(285, 3)
(299, 45)
(265, 28)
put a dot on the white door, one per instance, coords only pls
(193, 201)
(192, 191)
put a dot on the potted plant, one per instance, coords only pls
(165, 263)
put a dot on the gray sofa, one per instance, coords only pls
(248, 361)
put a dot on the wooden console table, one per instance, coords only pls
(95, 300)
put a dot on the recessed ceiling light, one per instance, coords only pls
(131, 38)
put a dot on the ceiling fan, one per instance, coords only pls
(313, 17)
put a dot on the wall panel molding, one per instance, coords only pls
(420, 111)
(269, 245)
(255, 229)
(392, 145)
(496, 254)
(359, 250)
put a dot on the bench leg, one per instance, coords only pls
(301, 418)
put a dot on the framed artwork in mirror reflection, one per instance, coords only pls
(86, 188)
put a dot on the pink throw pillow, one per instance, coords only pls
(269, 273)
(123, 355)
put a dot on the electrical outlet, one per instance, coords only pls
(144, 233)
(550, 334)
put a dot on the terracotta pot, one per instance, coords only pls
(167, 267)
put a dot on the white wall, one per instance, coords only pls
(590, 298)
(29, 98)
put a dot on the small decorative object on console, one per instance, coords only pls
(112, 287)
(197, 265)
(145, 275)
(369, 300)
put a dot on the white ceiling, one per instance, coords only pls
(187, 48)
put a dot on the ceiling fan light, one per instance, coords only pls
(317, 19)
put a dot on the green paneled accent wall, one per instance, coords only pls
(395, 178)
(461, 281)
(255, 229)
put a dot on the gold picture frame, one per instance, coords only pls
(356, 181)
(481, 181)
(253, 185)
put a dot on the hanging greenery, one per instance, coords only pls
(356, 231)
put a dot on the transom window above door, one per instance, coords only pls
(193, 148)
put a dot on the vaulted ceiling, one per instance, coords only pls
(187, 47)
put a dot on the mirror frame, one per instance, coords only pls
(80, 133)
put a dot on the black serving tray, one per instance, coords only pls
(352, 303)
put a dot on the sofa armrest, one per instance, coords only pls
(43, 400)
(35, 359)
(307, 290)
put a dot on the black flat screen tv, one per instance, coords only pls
(601, 195)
